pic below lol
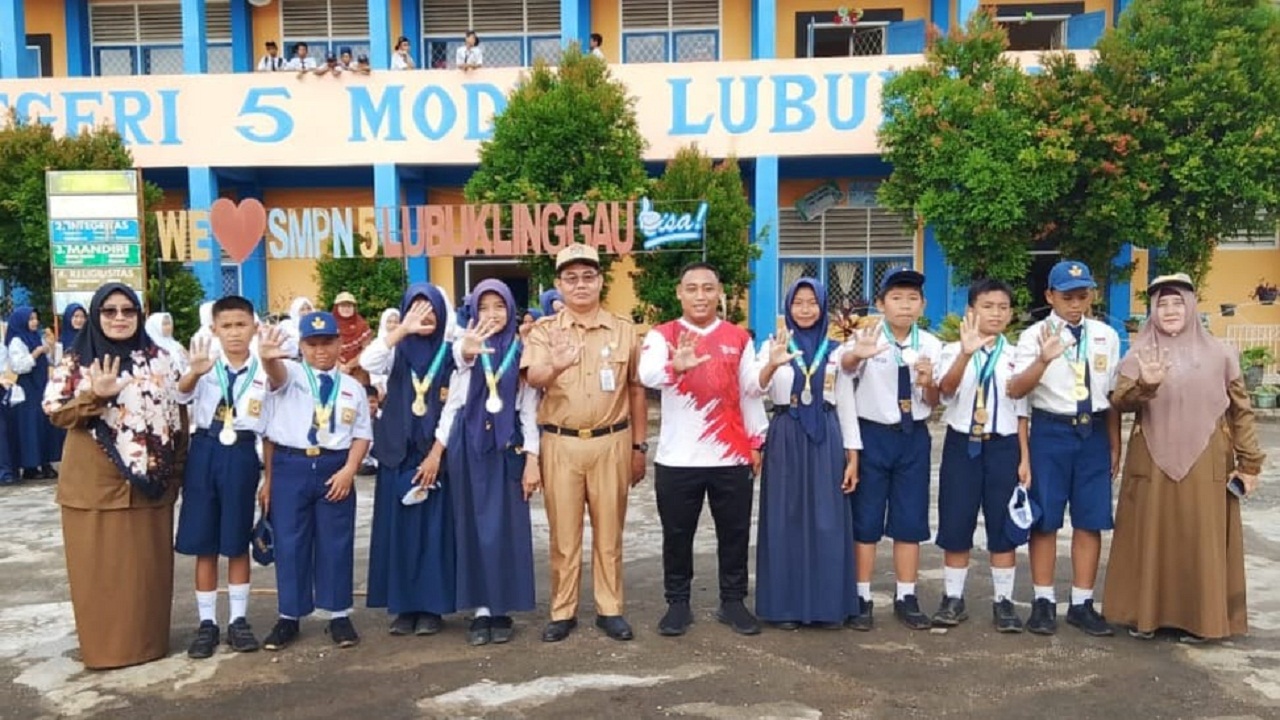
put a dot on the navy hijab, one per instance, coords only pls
(67, 333)
(548, 300)
(31, 338)
(809, 341)
(399, 433)
(474, 413)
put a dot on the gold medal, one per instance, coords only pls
(419, 406)
(976, 432)
(904, 406)
(322, 416)
(1081, 393)
(980, 416)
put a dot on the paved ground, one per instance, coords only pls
(711, 673)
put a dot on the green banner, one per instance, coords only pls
(97, 255)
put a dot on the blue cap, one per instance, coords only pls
(263, 542)
(901, 277)
(317, 324)
(1070, 275)
(1024, 513)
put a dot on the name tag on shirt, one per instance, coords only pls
(1099, 364)
(829, 381)
(608, 383)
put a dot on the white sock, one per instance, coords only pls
(1080, 595)
(482, 611)
(905, 589)
(207, 604)
(1044, 592)
(864, 591)
(953, 580)
(239, 600)
(1002, 581)
(335, 614)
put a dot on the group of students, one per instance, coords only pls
(844, 461)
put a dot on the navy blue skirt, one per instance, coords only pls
(411, 547)
(33, 432)
(804, 542)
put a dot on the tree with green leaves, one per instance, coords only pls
(378, 283)
(567, 134)
(691, 176)
(1206, 75)
(971, 156)
(27, 150)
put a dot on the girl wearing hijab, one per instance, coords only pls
(490, 428)
(299, 307)
(205, 332)
(73, 318)
(387, 324)
(1177, 555)
(411, 555)
(551, 302)
(30, 354)
(355, 334)
(160, 331)
(804, 542)
(115, 394)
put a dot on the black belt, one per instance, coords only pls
(983, 436)
(311, 452)
(586, 433)
(897, 427)
(241, 435)
(783, 409)
(1073, 420)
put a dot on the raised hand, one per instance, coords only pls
(104, 377)
(200, 356)
(271, 344)
(565, 350)
(971, 340)
(779, 349)
(1051, 345)
(686, 355)
(473, 339)
(1153, 365)
(870, 342)
(414, 321)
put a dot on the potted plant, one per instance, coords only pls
(1264, 398)
(1228, 309)
(1253, 362)
(1134, 324)
(1265, 292)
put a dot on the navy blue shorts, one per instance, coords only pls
(967, 484)
(893, 484)
(219, 491)
(1067, 468)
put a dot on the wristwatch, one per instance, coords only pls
(642, 447)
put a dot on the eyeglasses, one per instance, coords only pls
(584, 279)
(127, 312)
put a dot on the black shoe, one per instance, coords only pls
(558, 630)
(736, 615)
(240, 636)
(481, 631)
(343, 632)
(1044, 617)
(677, 620)
(403, 624)
(31, 474)
(1187, 638)
(950, 613)
(615, 626)
(206, 641)
(786, 625)
(48, 473)
(864, 620)
(1089, 621)
(1005, 618)
(284, 633)
(907, 610)
(1137, 634)
(502, 630)
(428, 624)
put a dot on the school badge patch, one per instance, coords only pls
(348, 416)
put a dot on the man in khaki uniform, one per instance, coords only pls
(593, 419)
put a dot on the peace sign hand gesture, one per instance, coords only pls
(971, 339)
(868, 343)
(1153, 365)
(565, 350)
(473, 339)
(1051, 345)
(200, 356)
(104, 377)
(686, 356)
(780, 349)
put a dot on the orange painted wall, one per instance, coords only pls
(287, 279)
(787, 9)
(606, 19)
(1231, 280)
(266, 26)
(735, 29)
(48, 17)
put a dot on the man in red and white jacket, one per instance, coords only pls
(713, 426)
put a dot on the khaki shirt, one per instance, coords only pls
(575, 399)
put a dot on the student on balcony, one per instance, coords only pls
(470, 56)
(401, 59)
(272, 62)
(301, 61)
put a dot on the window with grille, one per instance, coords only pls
(326, 26)
(512, 34)
(1266, 234)
(146, 38)
(670, 30)
(849, 249)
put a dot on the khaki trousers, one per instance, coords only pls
(594, 473)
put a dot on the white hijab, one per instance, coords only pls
(382, 323)
(155, 331)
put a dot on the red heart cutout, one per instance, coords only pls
(238, 228)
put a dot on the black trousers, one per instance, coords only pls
(680, 491)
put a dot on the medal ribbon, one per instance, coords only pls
(490, 377)
(986, 371)
(913, 341)
(324, 406)
(422, 385)
(232, 396)
(818, 359)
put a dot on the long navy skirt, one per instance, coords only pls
(411, 547)
(493, 529)
(33, 430)
(804, 542)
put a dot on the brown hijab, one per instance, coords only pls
(1183, 415)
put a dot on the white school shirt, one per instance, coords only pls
(598, 53)
(378, 359)
(837, 388)
(1054, 392)
(307, 63)
(20, 359)
(16, 393)
(876, 389)
(526, 409)
(251, 408)
(958, 408)
(272, 64)
(292, 410)
(469, 56)
(398, 62)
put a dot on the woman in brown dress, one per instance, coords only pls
(355, 335)
(114, 394)
(1177, 555)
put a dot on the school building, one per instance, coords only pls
(789, 87)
